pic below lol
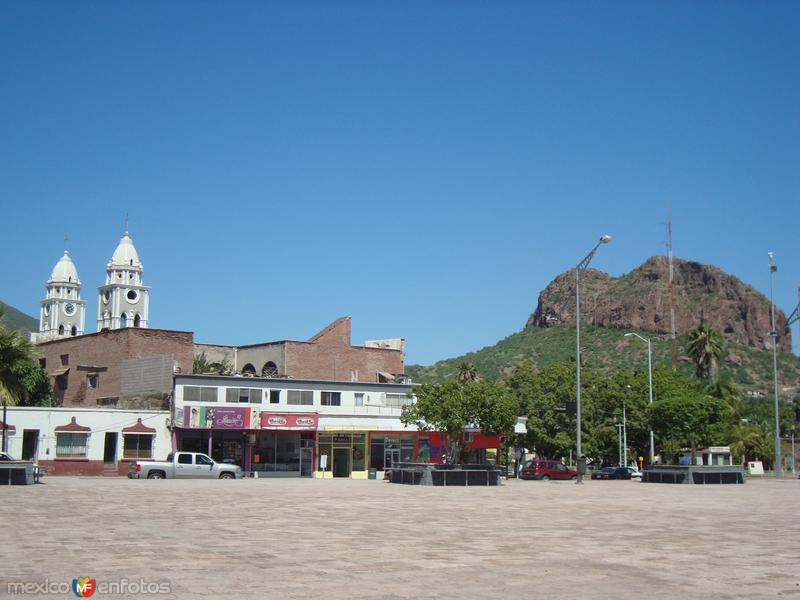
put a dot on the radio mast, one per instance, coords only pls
(672, 296)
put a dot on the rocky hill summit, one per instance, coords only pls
(640, 300)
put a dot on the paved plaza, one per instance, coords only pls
(342, 539)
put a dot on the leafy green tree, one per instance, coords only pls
(692, 420)
(466, 373)
(201, 364)
(450, 407)
(36, 381)
(545, 396)
(705, 346)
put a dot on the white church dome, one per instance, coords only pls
(126, 254)
(65, 270)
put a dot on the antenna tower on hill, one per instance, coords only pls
(672, 296)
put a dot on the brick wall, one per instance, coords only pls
(103, 354)
(306, 360)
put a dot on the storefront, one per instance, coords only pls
(342, 454)
(284, 447)
(387, 448)
(270, 444)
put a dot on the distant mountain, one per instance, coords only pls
(639, 301)
(15, 319)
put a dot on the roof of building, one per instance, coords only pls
(140, 330)
(65, 270)
(244, 381)
(126, 254)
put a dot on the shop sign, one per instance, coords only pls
(341, 438)
(213, 417)
(289, 421)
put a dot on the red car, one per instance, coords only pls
(546, 469)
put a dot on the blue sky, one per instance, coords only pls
(426, 168)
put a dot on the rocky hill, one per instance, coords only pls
(640, 300)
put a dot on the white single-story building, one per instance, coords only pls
(86, 441)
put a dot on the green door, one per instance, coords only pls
(341, 462)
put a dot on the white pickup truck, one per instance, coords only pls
(184, 465)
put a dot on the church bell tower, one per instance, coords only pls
(62, 312)
(123, 301)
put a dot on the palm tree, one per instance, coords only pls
(745, 439)
(725, 389)
(14, 349)
(705, 347)
(466, 373)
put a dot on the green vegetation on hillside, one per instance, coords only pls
(18, 320)
(606, 349)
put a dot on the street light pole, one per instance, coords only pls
(619, 444)
(624, 434)
(650, 386)
(774, 334)
(580, 267)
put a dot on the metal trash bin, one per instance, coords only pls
(372, 474)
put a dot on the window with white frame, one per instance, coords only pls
(274, 396)
(300, 397)
(331, 398)
(194, 393)
(71, 444)
(251, 395)
(397, 400)
(359, 399)
(138, 445)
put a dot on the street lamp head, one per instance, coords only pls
(605, 239)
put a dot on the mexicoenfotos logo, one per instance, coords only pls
(84, 587)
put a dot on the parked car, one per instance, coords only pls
(184, 465)
(545, 470)
(635, 473)
(612, 473)
(5, 457)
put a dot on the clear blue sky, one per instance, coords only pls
(425, 167)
